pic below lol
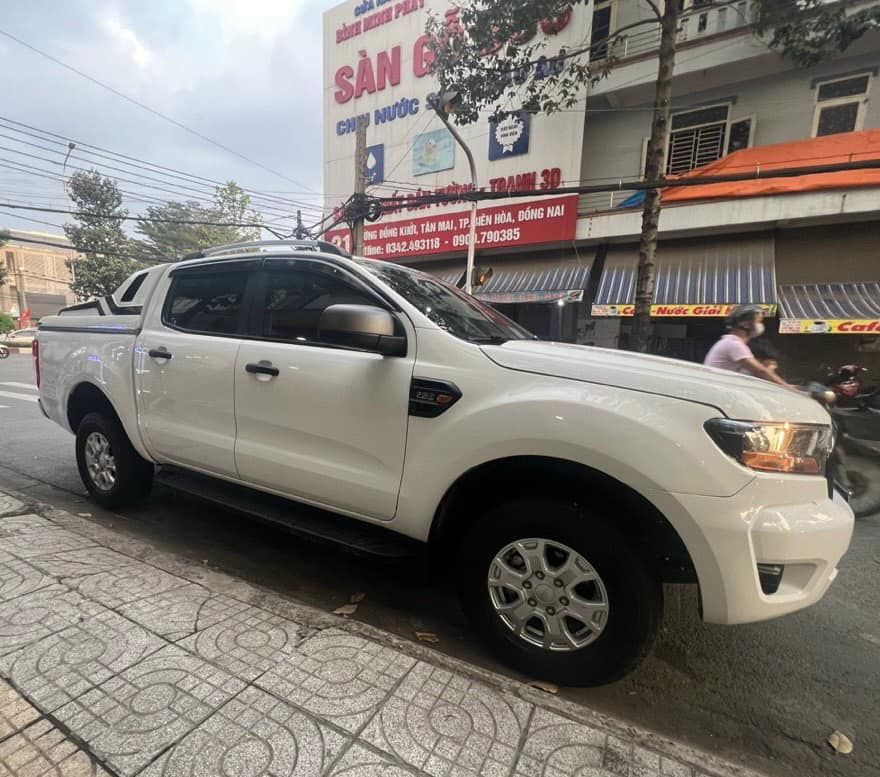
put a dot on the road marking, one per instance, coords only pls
(4, 407)
(12, 383)
(11, 395)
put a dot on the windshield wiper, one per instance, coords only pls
(489, 340)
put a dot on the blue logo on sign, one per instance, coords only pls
(509, 136)
(375, 164)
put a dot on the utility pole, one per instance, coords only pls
(444, 105)
(360, 187)
(20, 291)
(300, 231)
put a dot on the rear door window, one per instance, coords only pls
(206, 303)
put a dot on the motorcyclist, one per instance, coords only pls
(732, 351)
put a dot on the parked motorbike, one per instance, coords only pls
(4, 352)
(848, 386)
(855, 462)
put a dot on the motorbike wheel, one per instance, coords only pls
(863, 474)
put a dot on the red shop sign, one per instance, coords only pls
(549, 220)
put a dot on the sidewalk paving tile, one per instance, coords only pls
(361, 762)
(15, 711)
(248, 642)
(67, 664)
(81, 563)
(338, 676)
(108, 577)
(24, 524)
(41, 750)
(133, 717)
(180, 612)
(44, 543)
(9, 505)
(17, 577)
(443, 723)
(558, 747)
(33, 616)
(254, 734)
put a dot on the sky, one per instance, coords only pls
(246, 73)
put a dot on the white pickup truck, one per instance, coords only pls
(359, 401)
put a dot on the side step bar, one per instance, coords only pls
(302, 520)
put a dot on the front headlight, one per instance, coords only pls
(774, 447)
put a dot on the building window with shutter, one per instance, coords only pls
(697, 138)
(840, 105)
(703, 135)
(601, 29)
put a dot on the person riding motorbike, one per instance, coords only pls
(732, 351)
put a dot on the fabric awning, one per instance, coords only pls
(697, 278)
(830, 308)
(524, 281)
(839, 148)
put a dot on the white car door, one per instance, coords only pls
(185, 367)
(320, 423)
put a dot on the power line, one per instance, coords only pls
(46, 136)
(637, 185)
(68, 247)
(116, 217)
(35, 221)
(147, 108)
(174, 192)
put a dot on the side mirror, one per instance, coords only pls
(364, 327)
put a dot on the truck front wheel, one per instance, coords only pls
(111, 469)
(557, 593)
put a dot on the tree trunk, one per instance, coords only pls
(655, 168)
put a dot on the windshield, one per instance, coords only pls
(453, 310)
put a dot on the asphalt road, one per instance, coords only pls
(766, 695)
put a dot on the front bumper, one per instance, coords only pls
(786, 521)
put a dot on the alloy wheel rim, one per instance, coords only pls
(100, 462)
(548, 595)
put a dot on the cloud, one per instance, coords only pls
(127, 40)
(247, 73)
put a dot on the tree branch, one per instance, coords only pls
(656, 9)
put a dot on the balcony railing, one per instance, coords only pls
(695, 25)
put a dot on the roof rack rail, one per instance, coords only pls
(258, 245)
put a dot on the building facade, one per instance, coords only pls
(37, 275)
(808, 254)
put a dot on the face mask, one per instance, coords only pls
(759, 329)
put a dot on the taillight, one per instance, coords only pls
(35, 349)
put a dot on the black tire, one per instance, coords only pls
(133, 473)
(634, 593)
(4, 352)
(863, 474)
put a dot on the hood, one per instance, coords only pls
(737, 396)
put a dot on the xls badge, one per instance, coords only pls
(509, 136)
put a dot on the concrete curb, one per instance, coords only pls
(318, 620)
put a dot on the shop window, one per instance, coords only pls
(602, 17)
(840, 105)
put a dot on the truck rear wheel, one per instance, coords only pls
(114, 473)
(558, 594)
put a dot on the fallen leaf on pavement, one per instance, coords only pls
(840, 742)
(427, 636)
(346, 609)
(546, 687)
(357, 598)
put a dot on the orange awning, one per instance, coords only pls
(828, 150)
